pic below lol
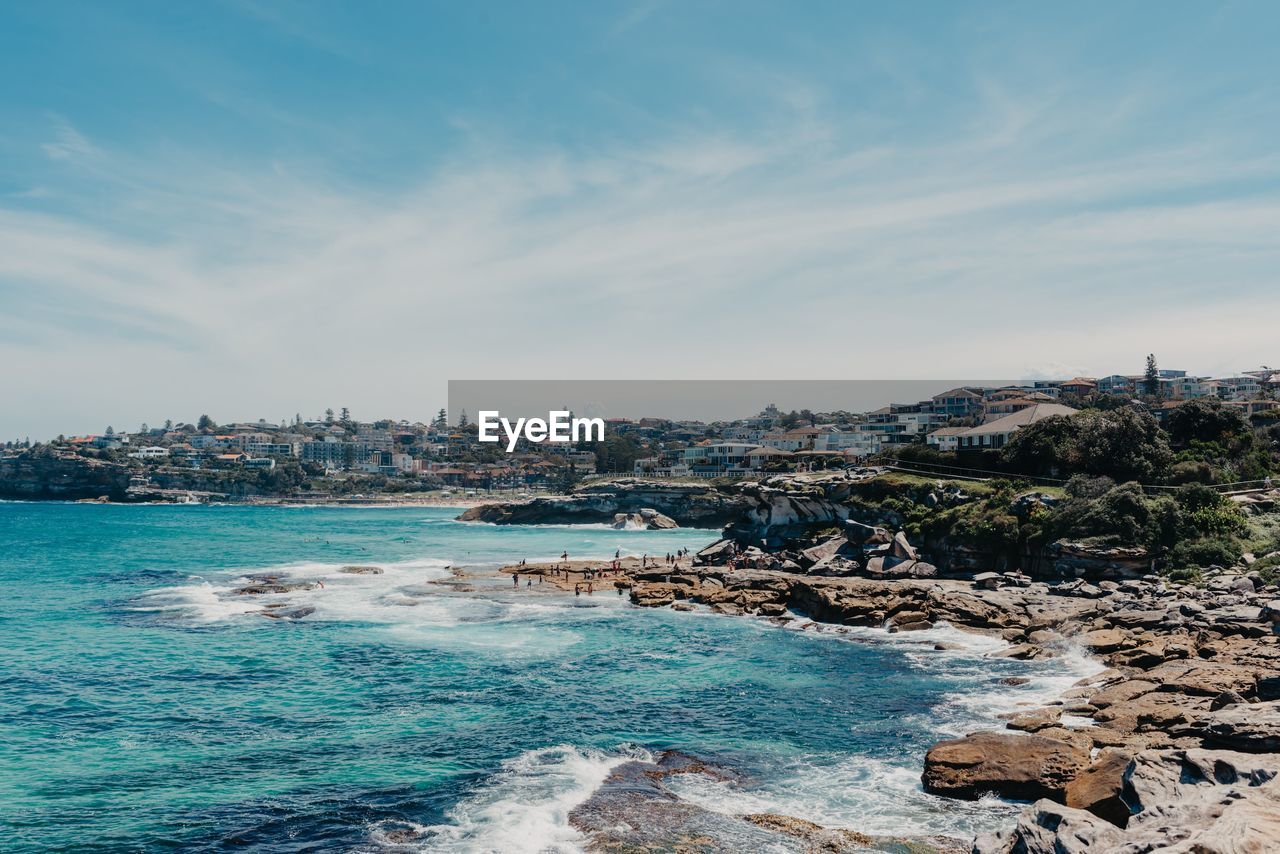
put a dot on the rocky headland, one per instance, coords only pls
(67, 478)
(694, 505)
(1175, 746)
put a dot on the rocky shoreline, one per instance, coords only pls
(1175, 746)
(1193, 679)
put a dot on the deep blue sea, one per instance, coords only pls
(144, 705)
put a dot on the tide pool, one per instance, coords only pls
(144, 704)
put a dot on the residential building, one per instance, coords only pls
(994, 434)
(1118, 384)
(757, 457)
(853, 441)
(717, 457)
(272, 449)
(1007, 405)
(945, 438)
(1079, 386)
(798, 439)
(333, 453)
(1234, 388)
(957, 403)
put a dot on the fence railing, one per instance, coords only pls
(949, 472)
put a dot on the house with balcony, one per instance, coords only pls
(1009, 404)
(957, 403)
(1118, 384)
(712, 459)
(1234, 388)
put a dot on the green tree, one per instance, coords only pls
(1123, 444)
(1205, 420)
(615, 453)
(205, 423)
(441, 421)
(1151, 378)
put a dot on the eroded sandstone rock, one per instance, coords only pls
(1023, 767)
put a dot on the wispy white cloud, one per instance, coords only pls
(68, 143)
(265, 291)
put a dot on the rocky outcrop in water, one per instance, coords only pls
(635, 810)
(647, 519)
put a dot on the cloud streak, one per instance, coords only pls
(794, 250)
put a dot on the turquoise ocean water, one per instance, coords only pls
(144, 705)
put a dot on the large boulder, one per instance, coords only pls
(1098, 788)
(647, 518)
(861, 534)
(890, 567)
(1023, 767)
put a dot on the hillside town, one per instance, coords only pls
(337, 454)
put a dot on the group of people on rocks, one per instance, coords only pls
(671, 559)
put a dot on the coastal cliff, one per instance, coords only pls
(826, 523)
(46, 476)
(691, 505)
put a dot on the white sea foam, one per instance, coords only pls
(336, 595)
(525, 806)
(860, 793)
(961, 712)
(970, 656)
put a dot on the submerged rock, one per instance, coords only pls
(287, 613)
(267, 587)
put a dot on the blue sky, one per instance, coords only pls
(256, 209)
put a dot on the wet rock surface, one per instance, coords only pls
(1191, 668)
(635, 811)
